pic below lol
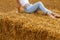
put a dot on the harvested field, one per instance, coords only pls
(24, 26)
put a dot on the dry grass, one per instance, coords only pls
(24, 26)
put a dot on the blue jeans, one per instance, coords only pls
(36, 6)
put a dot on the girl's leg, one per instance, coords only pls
(40, 6)
(43, 8)
(32, 8)
(37, 6)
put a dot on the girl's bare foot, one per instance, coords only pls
(56, 15)
(53, 15)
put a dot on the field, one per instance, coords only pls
(24, 26)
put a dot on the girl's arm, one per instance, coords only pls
(18, 6)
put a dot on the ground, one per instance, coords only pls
(24, 26)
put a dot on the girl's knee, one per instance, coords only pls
(39, 2)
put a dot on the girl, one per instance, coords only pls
(34, 7)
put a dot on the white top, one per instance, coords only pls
(23, 2)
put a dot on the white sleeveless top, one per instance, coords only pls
(23, 2)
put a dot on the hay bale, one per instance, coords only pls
(28, 28)
(25, 26)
